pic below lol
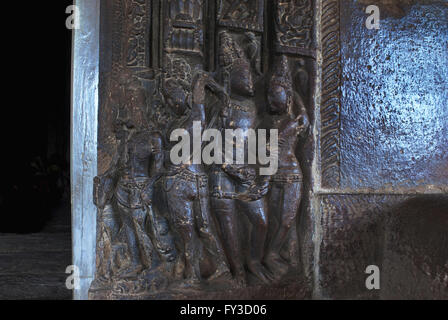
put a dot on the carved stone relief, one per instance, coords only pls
(294, 26)
(138, 14)
(174, 230)
(247, 14)
(184, 29)
(331, 104)
(195, 229)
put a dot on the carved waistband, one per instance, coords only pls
(128, 192)
(188, 175)
(287, 178)
(238, 107)
(132, 183)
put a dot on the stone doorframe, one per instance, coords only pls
(84, 117)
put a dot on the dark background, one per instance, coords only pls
(36, 125)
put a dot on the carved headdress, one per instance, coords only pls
(230, 52)
(130, 100)
(281, 75)
(281, 78)
(179, 70)
(232, 59)
(177, 76)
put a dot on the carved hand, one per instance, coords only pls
(255, 192)
(199, 81)
(217, 193)
(203, 79)
(303, 122)
(147, 194)
(102, 190)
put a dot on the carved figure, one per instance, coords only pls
(127, 188)
(253, 51)
(169, 229)
(236, 188)
(286, 185)
(186, 188)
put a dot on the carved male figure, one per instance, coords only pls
(186, 187)
(237, 189)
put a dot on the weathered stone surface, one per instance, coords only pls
(292, 290)
(39, 242)
(393, 133)
(415, 258)
(405, 236)
(383, 146)
(352, 239)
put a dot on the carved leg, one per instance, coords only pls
(144, 242)
(289, 197)
(208, 234)
(108, 237)
(157, 228)
(258, 218)
(128, 226)
(224, 210)
(181, 211)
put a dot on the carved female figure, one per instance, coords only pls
(186, 188)
(286, 184)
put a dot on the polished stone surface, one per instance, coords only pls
(386, 203)
(394, 114)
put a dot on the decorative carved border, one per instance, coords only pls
(253, 22)
(331, 96)
(139, 22)
(295, 36)
(183, 28)
(131, 27)
(118, 16)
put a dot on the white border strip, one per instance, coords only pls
(84, 116)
